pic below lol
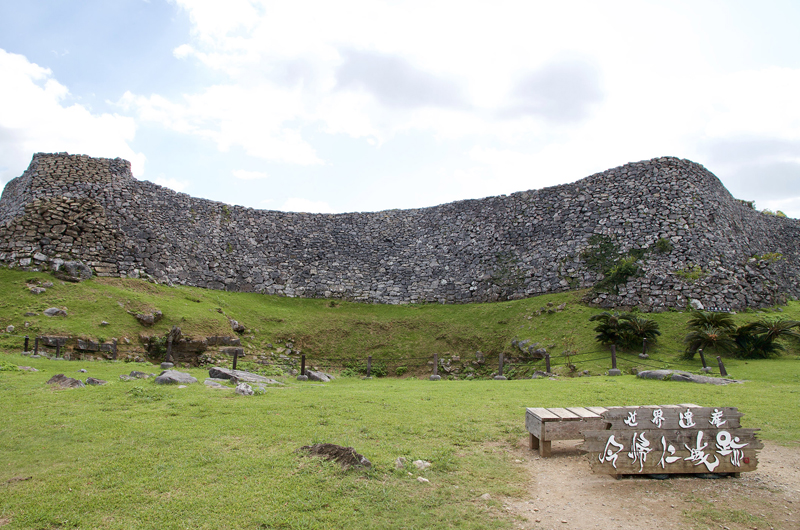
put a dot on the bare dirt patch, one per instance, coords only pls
(563, 493)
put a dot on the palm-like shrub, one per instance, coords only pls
(699, 319)
(608, 330)
(758, 340)
(708, 337)
(637, 328)
(625, 330)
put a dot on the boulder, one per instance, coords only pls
(55, 312)
(240, 376)
(77, 269)
(169, 377)
(675, 375)
(63, 381)
(345, 456)
(211, 383)
(148, 319)
(237, 327)
(243, 389)
(322, 377)
(95, 382)
(37, 290)
(9, 329)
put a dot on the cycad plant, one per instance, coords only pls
(708, 337)
(624, 329)
(759, 340)
(637, 328)
(608, 330)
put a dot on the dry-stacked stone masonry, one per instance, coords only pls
(713, 248)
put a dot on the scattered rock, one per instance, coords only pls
(31, 314)
(696, 305)
(47, 284)
(148, 319)
(422, 465)
(77, 270)
(237, 327)
(9, 329)
(240, 376)
(55, 312)
(422, 479)
(65, 382)
(104, 323)
(400, 463)
(345, 456)
(211, 383)
(27, 368)
(485, 497)
(140, 375)
(243, 389)
(322, 377)
(675, 375)
(167, 366)
(95, 382)
(82, 370)
(37, 290)
(169, 377)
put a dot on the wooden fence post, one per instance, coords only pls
(435, 376)
(614, 370)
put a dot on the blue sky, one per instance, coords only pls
(368, 105)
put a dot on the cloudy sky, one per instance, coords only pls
(347, 105)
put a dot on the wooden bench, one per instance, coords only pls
(545, 425)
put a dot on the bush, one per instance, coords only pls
(358, 368)
(400, 370)
(663, 245)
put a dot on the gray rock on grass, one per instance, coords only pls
(322, 377)
(675, 375)
(171, 377)
(62, 381)
(55, 312)
(240, 376)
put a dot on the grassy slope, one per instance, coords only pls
(138, 455)
(408, 334)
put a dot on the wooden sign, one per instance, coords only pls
(656, 440)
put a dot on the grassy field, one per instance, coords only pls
(132, 454)
(139, 455)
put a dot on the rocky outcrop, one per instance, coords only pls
(691, 239)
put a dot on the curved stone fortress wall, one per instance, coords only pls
(70, 207)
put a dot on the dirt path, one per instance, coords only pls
(564, 494)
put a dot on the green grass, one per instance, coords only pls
(333, 333)
(138, 455)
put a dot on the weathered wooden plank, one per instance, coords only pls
(597, 410)
(620, 452)
(542, 413)
(564, 414)
(571, 430)
(682, 417)
(583, 412)
(595, 440)
(533, 424)
(653, 466)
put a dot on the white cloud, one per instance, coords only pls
(35, 118)
(174, 184)
(298, 204)
(249, 175)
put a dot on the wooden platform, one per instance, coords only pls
(545, 425)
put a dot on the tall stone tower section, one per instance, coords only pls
(656, 234)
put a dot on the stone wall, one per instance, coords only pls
(68, 207)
